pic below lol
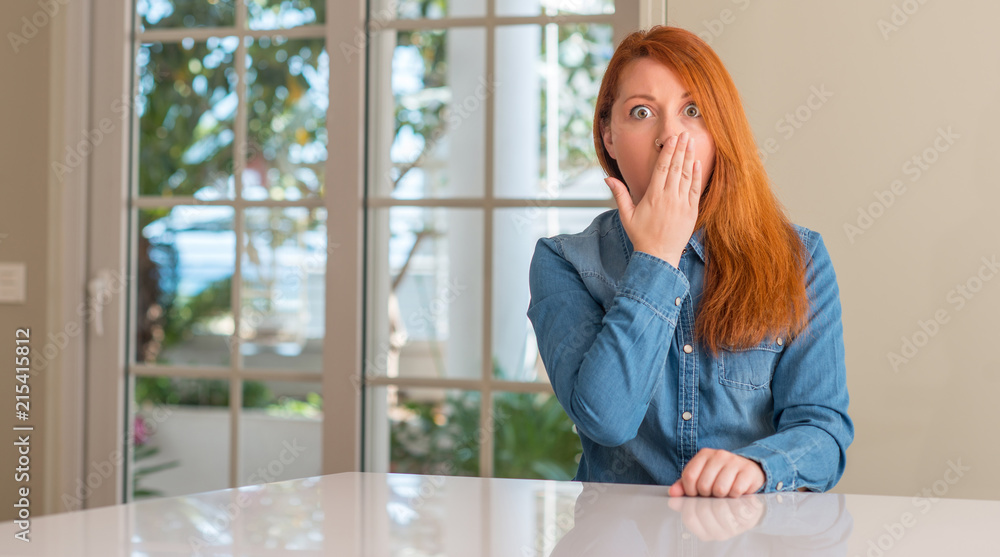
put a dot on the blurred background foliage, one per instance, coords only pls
(533, 436)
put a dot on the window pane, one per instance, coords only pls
(286, 105)
(428, 119)
(423, 431)
(280, 431)
(515, 232)
(186, 109)
(180, 436)
(166, 14)
(426, 293)
(186, 258)
(534, 438)
(543, 149)
(285, 14)
(284, 288)
(382, 10)
(554, 7)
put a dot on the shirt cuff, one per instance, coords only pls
(779, 472)
(656, 284)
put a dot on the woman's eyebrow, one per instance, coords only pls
(687, 94)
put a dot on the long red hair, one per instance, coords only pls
(755, 276)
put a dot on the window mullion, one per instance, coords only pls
(343, 342)
(458, 22)
(203, 33)
(151, 202)
(486, 398)
(486, 393)
(489, 204)
(239, 162)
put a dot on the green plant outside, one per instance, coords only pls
(533, 437)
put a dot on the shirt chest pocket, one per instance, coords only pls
(751, 368)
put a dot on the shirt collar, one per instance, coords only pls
(694, 243)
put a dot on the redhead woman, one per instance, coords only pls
(693, 335)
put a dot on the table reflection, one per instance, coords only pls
(647, 522)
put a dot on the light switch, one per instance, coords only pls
(12, 283)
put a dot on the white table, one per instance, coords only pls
(397, 514)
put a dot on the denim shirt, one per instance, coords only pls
(615, 330)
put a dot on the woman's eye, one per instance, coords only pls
(687, 110)
(635, 112)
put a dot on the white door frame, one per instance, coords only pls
(69, 110)
(105, 390)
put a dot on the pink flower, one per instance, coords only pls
(140, 433)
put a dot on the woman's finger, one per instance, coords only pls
(672, 185)
(695, 194)
(724, 480)
(687, 171)
(742, 484)
(691, 473)
(659, 178)
(622, 198)
(709, 474)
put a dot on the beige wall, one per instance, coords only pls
(890, 95)
(24, 232)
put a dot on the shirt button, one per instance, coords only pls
(685, 535)
(779, 486)
(686, 416)
(683, 251)
(687, 349)
(677, 301)
(780, 342)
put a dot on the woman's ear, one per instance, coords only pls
(606, 136)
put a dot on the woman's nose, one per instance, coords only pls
(671, 129)
(666, 133)
(662, 139)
